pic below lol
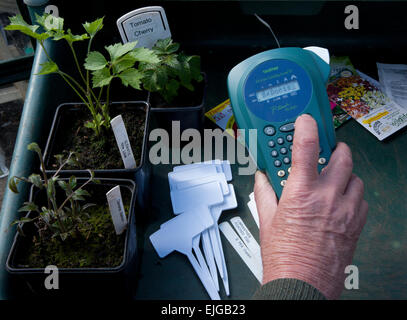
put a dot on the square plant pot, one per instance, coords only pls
(69, 134)
(116, 277)
(187, 108)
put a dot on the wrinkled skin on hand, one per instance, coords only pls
(311, 233)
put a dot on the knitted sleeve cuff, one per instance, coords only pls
(287, 289)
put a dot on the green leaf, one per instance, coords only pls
(63, 185)
(131, 77)
(59, 158)
(171, 90)
(48, 67)
(195, 67)
(71, 38)
(36, 180)
(51, 188)
(12, 184)
(33, 146)
(72, 182)
(95, 61)
(17, 23)
(80, 194)
(93, 27)
(117, 50)
(166, 46)
(124, 63)
(63, 235)
(155, 79)
(89, 125)
(28, 206)
(172, 62)
(145, 55)
(101, 77)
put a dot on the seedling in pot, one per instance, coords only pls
(61, 219)
(173, 71)
(123, 63)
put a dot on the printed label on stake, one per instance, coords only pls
(241, 249)
(144, 25)
(123, 142)
(246, 236)
(114, 198)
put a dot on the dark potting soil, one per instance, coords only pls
(99, 248)
(95, 152)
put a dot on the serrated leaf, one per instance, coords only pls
(28, 206)
(93, 27)
(17, 23)
(145, 55)
(155, 79)
(117, 50)
(36, 180)
(131, 77)
(71, 38)
(101, 77)
(124, 63)
(172, 61)
(166, 46)
(47, 68)
(95, 61)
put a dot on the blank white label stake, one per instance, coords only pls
(123, 142)
(116, 207)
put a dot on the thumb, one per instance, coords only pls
(266, 201)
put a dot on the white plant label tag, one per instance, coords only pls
(247, 256)
(123, 142)
(247, 237)
(116, 207)
(145, 25)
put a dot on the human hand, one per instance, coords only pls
(312, 232)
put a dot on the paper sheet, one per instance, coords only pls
(393, 78)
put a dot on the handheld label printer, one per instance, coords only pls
(268, 91)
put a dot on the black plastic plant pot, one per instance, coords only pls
(68, 124)
(187, 108)
(116, 281)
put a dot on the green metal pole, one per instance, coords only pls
(23, 160)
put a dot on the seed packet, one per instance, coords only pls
(363, 101)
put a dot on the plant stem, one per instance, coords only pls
(71, 195)
(77, 64)
(63, 75)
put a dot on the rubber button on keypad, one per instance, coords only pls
(283, 150)
(271, 143)
(287, 127)
(280, 140)
(277, 163)
(269, 130)
(274, 153)
(286, 160)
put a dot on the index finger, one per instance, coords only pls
(305, 148)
